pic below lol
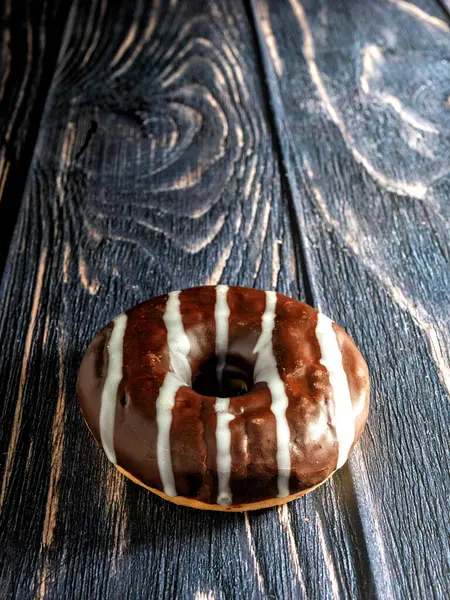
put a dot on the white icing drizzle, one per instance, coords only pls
(266, 370)
(360, 403)
(164, 405)
(221, 315)
(177, 340)
(344, 420)
(180, 374)
(223, 445)
(109, 393)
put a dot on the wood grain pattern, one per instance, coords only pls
(160, 164)
(367, 150)
(154, 169)
(30, 35)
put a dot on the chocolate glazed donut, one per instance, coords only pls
(225, 398)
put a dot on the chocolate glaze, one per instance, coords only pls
(313, 445)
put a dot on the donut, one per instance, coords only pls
(225, 398)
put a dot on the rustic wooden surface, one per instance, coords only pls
(300, 146)
(30, 37)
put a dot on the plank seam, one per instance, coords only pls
(272, 116)
(289, 167)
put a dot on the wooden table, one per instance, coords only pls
(294, 145)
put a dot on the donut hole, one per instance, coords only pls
(236, 380)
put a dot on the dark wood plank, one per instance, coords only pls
(30, 36)
(360, 97)
(154, 169)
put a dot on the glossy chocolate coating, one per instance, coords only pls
(313, 443)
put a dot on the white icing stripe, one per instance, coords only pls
(109, 393)
(164, 405)
(266, 370)
(223, 444)
(221, 315)
(360, 404)
(177, 340)
(180, 374)
(344, 420)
